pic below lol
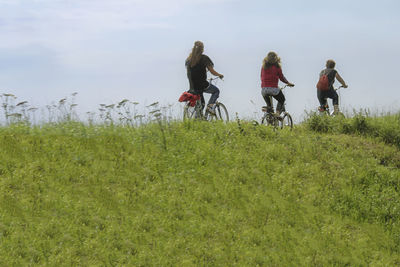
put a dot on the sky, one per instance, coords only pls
(107, 51)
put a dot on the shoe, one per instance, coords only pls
(336, 109)
(211, 109)
(278, 113)
(322, 108)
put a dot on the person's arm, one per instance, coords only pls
(340, 79)
(213, 72)
(283, 78)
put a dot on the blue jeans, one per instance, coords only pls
(214, 91)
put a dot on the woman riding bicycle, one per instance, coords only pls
(322, 95)
(197, 65)
(271, 73)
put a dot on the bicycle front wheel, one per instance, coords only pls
(221, 112)
(286, 121)
(338, 115)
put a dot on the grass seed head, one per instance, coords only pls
(123, 102)
(22, 103)
(153, 104)
(16, 115)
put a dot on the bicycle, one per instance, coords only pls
(270, 118)
(195, 111)
(326, 111)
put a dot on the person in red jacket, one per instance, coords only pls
(271, 73)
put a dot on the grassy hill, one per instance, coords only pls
(196, 193)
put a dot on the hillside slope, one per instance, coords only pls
(194, 193)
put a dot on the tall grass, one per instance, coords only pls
(124, 112)
(138, 188)
(386, 127)
(195, 193)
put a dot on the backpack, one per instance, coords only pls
(323, 82)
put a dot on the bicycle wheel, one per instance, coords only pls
(190, 112)
(221, 112)
(210, 116)
(269, 120)
(286, 121)
(338, 115)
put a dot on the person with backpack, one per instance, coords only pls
(197, 65)
(325, 88)
(271, 73)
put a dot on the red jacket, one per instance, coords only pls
(270, 76)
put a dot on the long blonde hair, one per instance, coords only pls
(196, 53)
(271, 59)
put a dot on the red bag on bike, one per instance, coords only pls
(186, 96)
(323, 83)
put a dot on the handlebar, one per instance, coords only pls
(338, 87)
(213, 79)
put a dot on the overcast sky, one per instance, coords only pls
(111, 50)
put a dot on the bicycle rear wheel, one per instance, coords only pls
(269, 120)
(190, 112)
(286, 121)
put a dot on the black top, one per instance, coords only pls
(197, 74)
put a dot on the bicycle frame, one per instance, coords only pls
(221, 113)
(270, 118)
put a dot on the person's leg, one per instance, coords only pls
(267, 99)
(214, 91)
(335, 97)
(203, 102)
(281, 102)
(322, 99)
(335, 100)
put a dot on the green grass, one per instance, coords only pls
(386, 128)
(197, 193)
